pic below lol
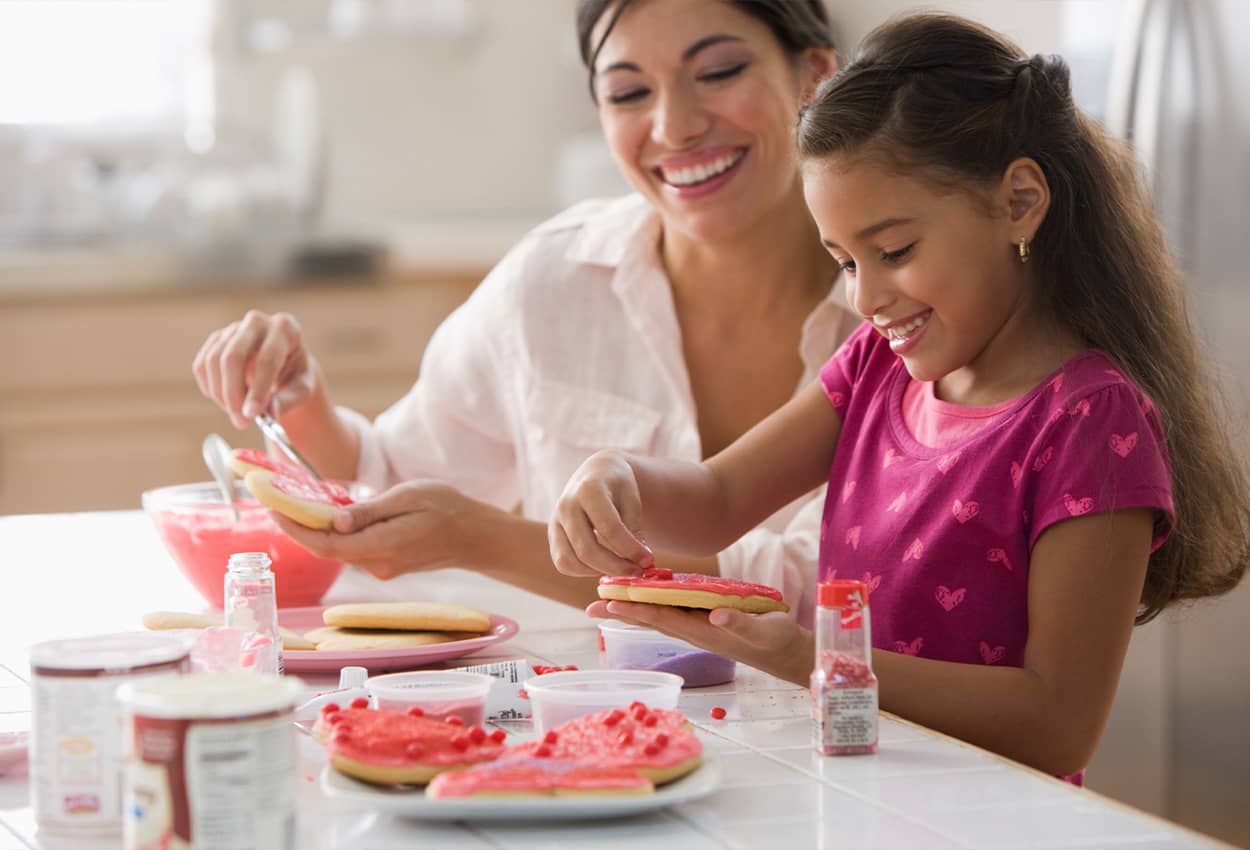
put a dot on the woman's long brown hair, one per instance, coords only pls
(948, 99)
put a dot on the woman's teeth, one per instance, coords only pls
(698, 173)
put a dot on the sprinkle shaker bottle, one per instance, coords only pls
(844, 688)
(252, 606)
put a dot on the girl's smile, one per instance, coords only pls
(905, 333)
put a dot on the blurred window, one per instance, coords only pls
(78, 62)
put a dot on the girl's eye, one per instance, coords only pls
(895, 256)
(628, 96)
(724, 74)
(848, 267)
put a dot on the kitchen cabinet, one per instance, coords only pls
(97, 400)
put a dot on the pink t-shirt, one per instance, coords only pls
(943, 535)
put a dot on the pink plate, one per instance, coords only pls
(310, 661)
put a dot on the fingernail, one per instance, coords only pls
(249, 409)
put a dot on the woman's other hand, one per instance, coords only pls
(414, 526)
(770, 642)
(256, 364)
(596, 528)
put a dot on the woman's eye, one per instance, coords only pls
(724, 73)
(895, 256)
(628, 96)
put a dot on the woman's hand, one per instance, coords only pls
(596, 528)
(414, 526)
(770, 642)
(255, 364)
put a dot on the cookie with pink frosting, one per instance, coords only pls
(659, 586)
(540, 777)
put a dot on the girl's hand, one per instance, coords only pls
(770, 642)
(414, 526)
(255, 364)
(596, 528)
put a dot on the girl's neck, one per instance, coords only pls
(764, 269)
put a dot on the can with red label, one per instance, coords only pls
(76, 742)
(210, 762)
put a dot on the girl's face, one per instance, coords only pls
(697, 101)
(933, 271)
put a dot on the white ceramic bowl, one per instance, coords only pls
(629, 647)
(559, 697)
(438, 693)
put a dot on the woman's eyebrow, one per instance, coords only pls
(686, 55)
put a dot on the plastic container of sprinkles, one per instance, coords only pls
(210, 762)
(76, 742)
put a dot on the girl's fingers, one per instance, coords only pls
(589, 549)
(562, 554)
(614, 535)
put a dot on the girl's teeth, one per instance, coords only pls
(901, 331)
(699, 173)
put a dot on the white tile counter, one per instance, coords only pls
(80, 574)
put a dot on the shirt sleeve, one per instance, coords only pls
(840, 375)
(785, 559)
(453, 424)
(1102, 452)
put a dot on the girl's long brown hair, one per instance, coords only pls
(948, 99)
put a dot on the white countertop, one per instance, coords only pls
(81, 574)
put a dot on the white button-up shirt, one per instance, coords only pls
(571, 344)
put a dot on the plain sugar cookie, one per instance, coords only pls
(407, 616)
(659, 586)
(333, 639)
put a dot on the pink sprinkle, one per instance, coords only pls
(718, 713)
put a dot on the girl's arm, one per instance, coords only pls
(1085, 580)
(614, 501)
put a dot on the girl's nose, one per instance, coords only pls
(678, 119)
(867, 294)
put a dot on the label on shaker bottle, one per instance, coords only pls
(847, 717)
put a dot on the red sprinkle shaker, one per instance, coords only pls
(844, 688)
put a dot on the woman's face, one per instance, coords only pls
(698, 102)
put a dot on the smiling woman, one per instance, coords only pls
(618, 322)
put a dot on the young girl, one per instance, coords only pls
(1022, 446)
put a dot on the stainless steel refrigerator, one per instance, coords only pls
(1173, 77)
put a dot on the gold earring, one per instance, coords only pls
(1022, 248)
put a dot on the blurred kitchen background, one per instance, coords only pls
(167, 164)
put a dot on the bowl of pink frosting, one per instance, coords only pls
(200, 535)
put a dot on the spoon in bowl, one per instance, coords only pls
(216, 452)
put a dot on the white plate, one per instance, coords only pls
(412, 803)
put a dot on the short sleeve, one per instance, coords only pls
(1104, 451)
(842, 373)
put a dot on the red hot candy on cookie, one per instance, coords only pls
(657, 742)
(393, 747)
(659, 586)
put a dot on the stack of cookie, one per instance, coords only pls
(396, 625)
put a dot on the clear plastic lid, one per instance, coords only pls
(106, 653)
(229, 694)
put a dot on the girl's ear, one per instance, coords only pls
(1027, 196)
(816, 65)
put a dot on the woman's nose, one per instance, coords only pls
(679, 119)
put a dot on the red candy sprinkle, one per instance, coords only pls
(498, 735)
(718, 713)
(460, 742)
(540, 669)
(657, 574)
(649, 720)
(542, 751)
(477, 734)
(651, 749)
(416, 711)
(551, 737)
(613, 717)
(329, 708)
(343, 735)
(360, 702)
(625, 737)
(661, 740)
(635, 705)
(334, 719)
(414, 750)
(522, 693)
(453, 720)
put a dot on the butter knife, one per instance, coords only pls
(277, 434)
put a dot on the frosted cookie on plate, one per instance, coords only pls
(658, 743)
(407, 616)
(539, 777)
(393, 748)
(659, 586)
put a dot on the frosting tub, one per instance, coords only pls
(628, 647)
